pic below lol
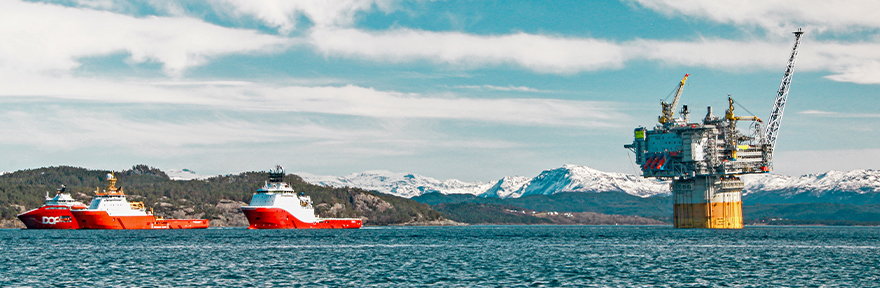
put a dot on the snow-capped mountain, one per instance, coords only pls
(856, 186)
(400, 184)
(573, 178)
(858, 181)
(569, 178)
(184, 174)
(507, 187)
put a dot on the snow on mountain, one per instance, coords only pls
(507, 187)
(184, 174)
(573, 178)
(400, 184)
(569, 178)
(856, 181)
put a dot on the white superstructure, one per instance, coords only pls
(113, 201)
(62, 198)
(281, 195)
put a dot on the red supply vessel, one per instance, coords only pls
(276, 206)
(111, 210)
(55, 214)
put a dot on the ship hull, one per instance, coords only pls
(277, 218)
(49, 217)
(102, 220)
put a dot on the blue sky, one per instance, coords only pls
(474, 90)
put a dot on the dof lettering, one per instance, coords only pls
(50, 220)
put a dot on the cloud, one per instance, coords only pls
(540, 53)
(51, 38)
(867, 72)
(367, 102)
(818, 113)
(713, 53)
(70, 133)
(282, 14)
(777, 17)
(499, 88)
(850, 62)
(58, 129)
(346, 100)
(84, 127)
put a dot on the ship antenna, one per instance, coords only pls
(276, 175)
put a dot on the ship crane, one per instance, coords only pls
(704, 160)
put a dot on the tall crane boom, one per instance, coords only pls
(669, 109)
(771, 132)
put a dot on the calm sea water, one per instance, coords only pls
(497, 256)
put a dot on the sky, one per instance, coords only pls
(472, 90)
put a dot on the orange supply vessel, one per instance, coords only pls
(276, 206)
(55, 214)
(111, 210)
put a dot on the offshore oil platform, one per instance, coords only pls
(704, 159)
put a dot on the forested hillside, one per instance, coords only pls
(215, 198)
(616, 203)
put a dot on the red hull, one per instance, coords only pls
(277, 218)
(49, 217)
(102, 220)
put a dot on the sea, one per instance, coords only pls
(469, 256)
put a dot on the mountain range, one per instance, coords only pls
(849, 187)
(854, 187)
(568, 178)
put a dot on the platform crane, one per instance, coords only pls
(771, 131)
(669, 109)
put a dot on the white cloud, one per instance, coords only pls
(777, 17)
(342, 100)
(51, 38)
(855, 61)
(368, 102)
(867, 72)
(202, 83)
(84, 128)
(850, 62)
(61, 130)
(499, 88)
(85, 135)
(818, 113)
(713, 53)
(282, 14)
(536, 52)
